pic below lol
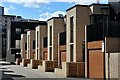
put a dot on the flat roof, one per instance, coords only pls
(85, 5)
(76, 6)
(98, 4)
(26, 24)
(9, 15)
(55, 18)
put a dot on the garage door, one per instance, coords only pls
(45, 56)
(96, 64)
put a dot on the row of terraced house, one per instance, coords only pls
(83, 43)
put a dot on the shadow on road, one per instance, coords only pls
(7, 71)
(8, 74)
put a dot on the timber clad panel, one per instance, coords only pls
(63, 48)
(95, 60)
(63, 56)
(45, 53)
(96, 64)
(95, 45)
(44, 56)
(34, 55)
(55, 64)
(44, 49)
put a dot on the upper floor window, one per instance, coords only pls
(50, 35)
(34, 44)
(97, 18)
(18, 30)
(37, 37)
(71, 28)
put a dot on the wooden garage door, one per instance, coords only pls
(33, 57)
(45, 56)
(63, 56)
(96, 64)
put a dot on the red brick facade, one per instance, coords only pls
(76, 69)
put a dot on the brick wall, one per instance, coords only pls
(26, 61)
(35, 63)
(18, 61)
(50, 65)
(76, 69)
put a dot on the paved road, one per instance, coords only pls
(17, 72)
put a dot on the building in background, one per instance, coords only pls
(1, 10)
(4, 21)
(14, 31)
(0, 41)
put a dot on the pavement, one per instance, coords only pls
(16, 72)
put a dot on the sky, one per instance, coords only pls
(41, 9)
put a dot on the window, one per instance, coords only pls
(18, 30)
(25, 30)
(5, 20)
(83, 51)
(28, 55)
(50, 35)
(71, 52)
(28, 40)
(11, 18)
(45, 42)
(25, 46)
(50, 53)
(96, 18)
(37, 53)
(17, 43)
(37, 38)
(71, 29)
(34, 44)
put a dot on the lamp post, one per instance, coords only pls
(105, 13)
